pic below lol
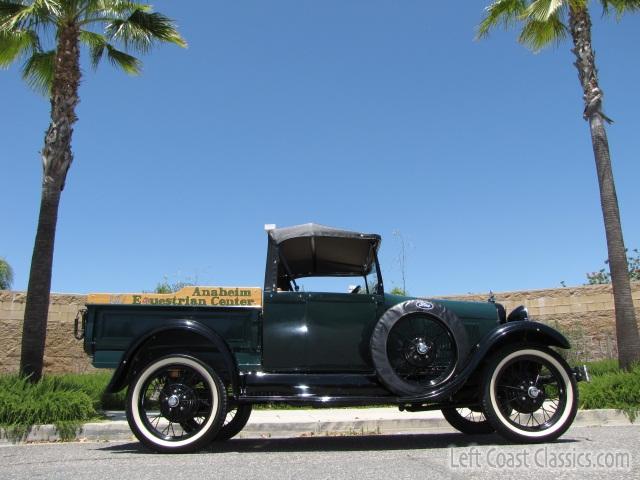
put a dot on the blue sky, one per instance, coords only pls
(363, 114)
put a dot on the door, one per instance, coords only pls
(318, 332)
(339, 330)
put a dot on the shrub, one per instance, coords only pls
(94, 384)
(602, 367)
(613, 389)
(50, 401)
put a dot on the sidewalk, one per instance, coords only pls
(313, 422)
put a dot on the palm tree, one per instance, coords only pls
(108, 28)
(6, 275)
(545, 22)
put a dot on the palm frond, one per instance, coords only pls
(126, 62)
(620, 6)
(501, 12)
(543, 10)
(11, 13)
(19, 15)
(537, 34)
(8, 9)
(15, 44)
(96, 43)
(38, 71)
(49, 7)
(142, 29)
(112, 8)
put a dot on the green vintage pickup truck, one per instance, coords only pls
(195, 361)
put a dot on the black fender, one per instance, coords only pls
(526, 332)
(132, 356)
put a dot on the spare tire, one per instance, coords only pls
(418, 345)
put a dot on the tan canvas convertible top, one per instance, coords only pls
(194, 296)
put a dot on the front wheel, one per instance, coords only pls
(176, 404)
(530, 395)
(236, 419)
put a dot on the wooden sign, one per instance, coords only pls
(186, 297)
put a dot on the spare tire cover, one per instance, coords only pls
(422, 308)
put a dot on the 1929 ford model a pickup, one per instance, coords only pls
(196, 361)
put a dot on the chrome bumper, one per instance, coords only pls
(581, 373)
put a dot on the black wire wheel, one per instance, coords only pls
(421, 350)
(235, 420)
(417, 346)
(467, 420)
(530, 395)
(176, 404)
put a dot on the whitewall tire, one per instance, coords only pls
(529, 394)
(176, 404)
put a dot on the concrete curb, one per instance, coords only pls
(274, 424)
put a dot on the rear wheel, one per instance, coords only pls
(466, 420)
(530, 395)
(176, 404)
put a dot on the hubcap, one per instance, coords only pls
(422, 348)
(178, 402)
(533, 392)
(419, 352)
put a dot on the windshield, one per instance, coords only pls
(371, 280)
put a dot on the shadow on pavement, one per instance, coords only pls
(338, 444)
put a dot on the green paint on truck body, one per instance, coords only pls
(305, 332)
(478, 317)
(111, 329)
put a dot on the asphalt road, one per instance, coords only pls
(582, 453)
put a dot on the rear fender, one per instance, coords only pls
(176, 336)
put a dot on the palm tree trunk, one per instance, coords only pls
(626, 325)
(56, 160)
(37, 306)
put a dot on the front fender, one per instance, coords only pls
(527, 331)
(201, 333)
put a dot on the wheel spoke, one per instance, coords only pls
(175, 403)
(527, 409)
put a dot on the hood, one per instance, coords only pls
(464, 310)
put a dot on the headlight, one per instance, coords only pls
(518, 314)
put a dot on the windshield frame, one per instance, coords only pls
(375, 266)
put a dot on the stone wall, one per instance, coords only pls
(584, 314)
(63, 353)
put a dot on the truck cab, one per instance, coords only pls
(320, 331)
